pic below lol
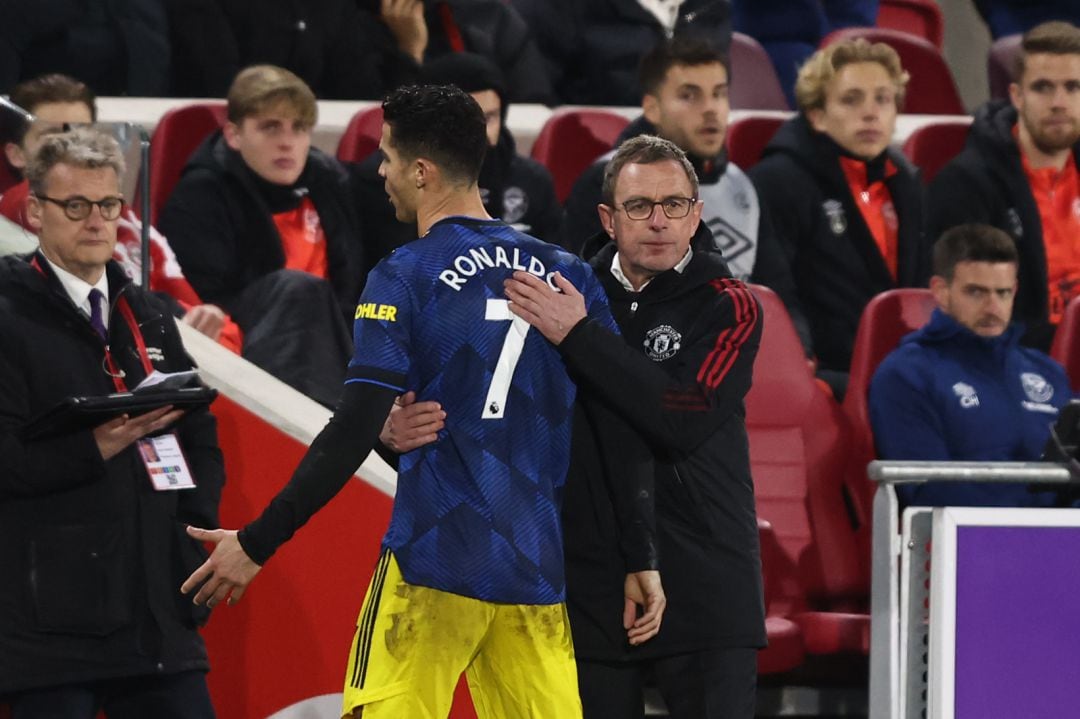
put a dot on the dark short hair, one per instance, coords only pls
(1051, 38)
(972, 243)
(644, 150)
(690, 51)
(441, 123)
(38, 91)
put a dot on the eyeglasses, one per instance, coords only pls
(675, 208)
(79, 208)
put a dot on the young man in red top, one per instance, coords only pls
(846, 206)
(1018, 173)
(265, 226)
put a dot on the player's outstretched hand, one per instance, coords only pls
(225, 574)
(645, 596)
(412, 424)
(554, 314)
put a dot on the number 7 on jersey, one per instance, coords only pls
(499, 311)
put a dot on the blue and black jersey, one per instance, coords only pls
(476, 512)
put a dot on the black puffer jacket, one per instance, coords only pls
(986, 183)
(341, 52)
(834, 259)
(219, 221)
(593, 47)
(699, 332)
(119, 47)
(93, 557)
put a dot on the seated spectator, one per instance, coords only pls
(339, 50)
(349, 49)
(119, 47)
(1018, 172)
(848, 208)
(264, 226)
(57, 101)
(514, 188)
(592, 49)
(685, 86)
(962, 388)
(791, 30)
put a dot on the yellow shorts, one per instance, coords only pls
(412, 643)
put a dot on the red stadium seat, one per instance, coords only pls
(571, 139)
(361, 137)
(886, 319)
(747, 138)
(797, 458)
(754, 84)
(933, 145)
(1001, 65)
(785, 650)
(921, 18)
(178, 133)
(931, 90)
(1066, 346)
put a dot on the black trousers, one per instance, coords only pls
(710, 684)
(172, 696)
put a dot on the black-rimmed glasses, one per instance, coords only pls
(675, 208)
(79, 208)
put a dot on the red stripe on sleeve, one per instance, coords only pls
(729, 342)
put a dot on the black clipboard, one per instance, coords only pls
(76, 413)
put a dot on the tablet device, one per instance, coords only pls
(75, 413)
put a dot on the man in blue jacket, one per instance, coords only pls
(962, 388)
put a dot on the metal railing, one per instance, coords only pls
(886, 688)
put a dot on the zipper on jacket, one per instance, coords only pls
(633, 308)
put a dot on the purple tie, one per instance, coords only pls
(95, 313)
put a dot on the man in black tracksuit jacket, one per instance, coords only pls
(986, 183)
(699, 330)
(93, 556)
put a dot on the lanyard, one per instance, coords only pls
(111, 369)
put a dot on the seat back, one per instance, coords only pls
(177, 134)
(884, 322)
(571, 139)
(1001, 65)
(931, 90)
(747, 138)
(361, 136)
(933, 145)
(1066, 346)
(754, 84)
(922, 18)
(797, 458)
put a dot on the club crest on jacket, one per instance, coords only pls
(662, 342)
(834, 212)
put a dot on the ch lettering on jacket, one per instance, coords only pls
(465, 267)
(969, 398)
